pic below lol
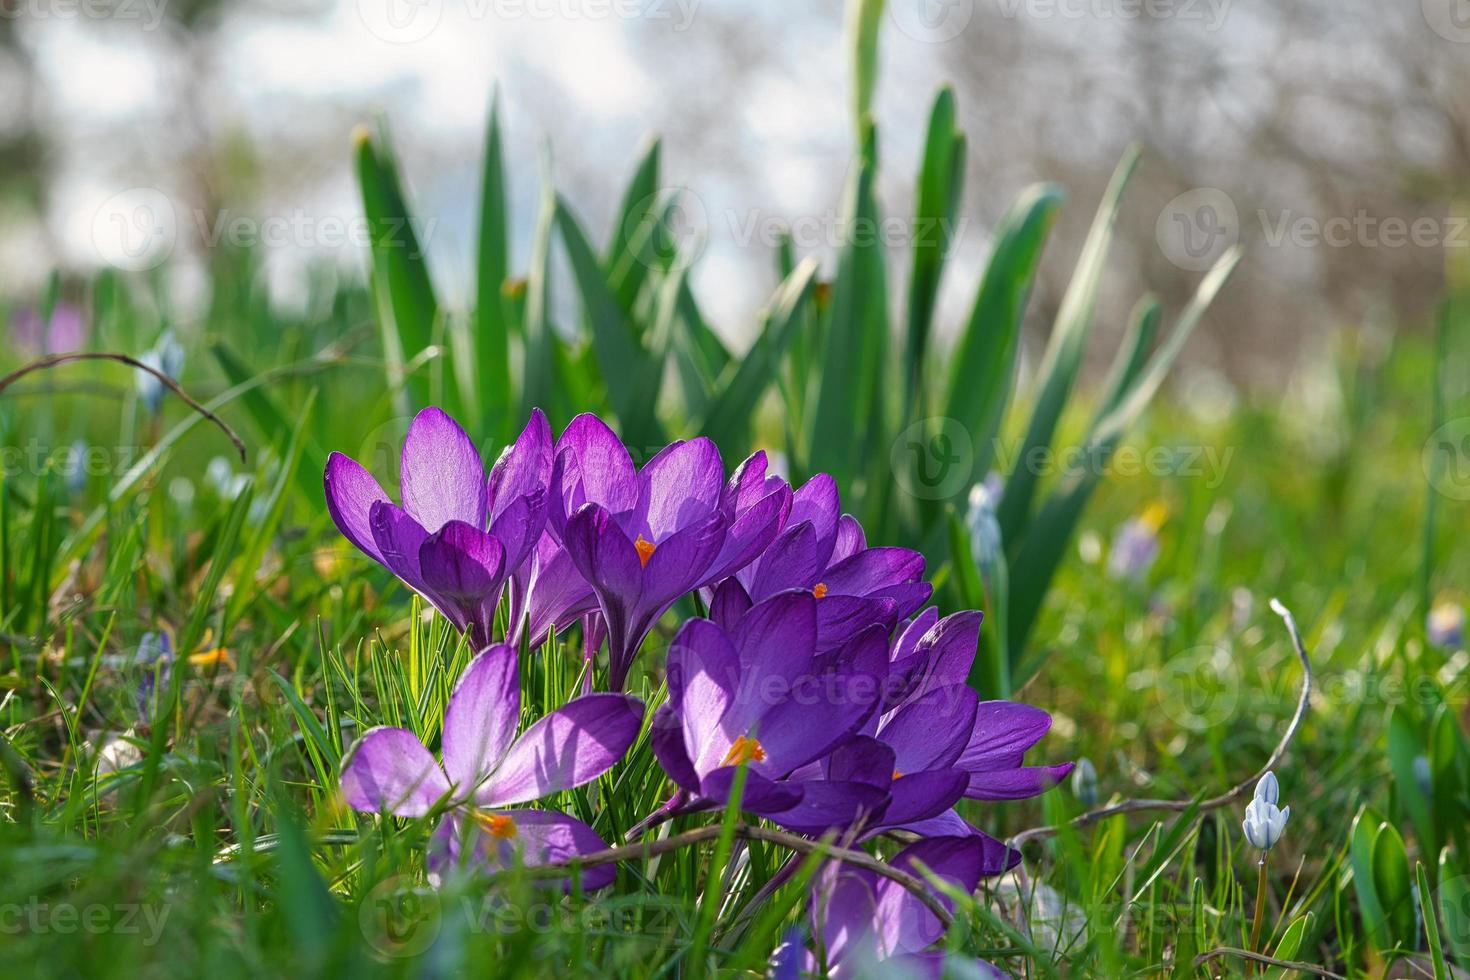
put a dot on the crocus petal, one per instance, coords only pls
(480, 721)
(749, 534)
(863, 760)
(556, 593)
(906, 924)
(760, 795)
(462, 562)
(1003, 731)
(823, 708)
(703, 671)
(524, 468)
(776, 637)
(793, 561)
(921, 795)
(931, 731)
(607, 560)
(908, 638)
(874, 570)
(947, 651)
(441, 476)
(817, 502)
(666, 738)
(730, 604)
(828, 804)
(680, 563)
(568, 747)
(398, 538)
(540, 837)
(591, 466)
(841, 617)
(518, 525)
(849, 539)
(351, 492)
(1016, 784)
(388, 770)
(680, 486)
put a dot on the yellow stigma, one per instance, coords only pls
(1155, 514)
(211, 658)
(645, 549)
(819, 590)
(744, 750)
(500, 825)
(897, 774)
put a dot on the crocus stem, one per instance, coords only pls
(1255, 945)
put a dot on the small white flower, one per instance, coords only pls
(1446, 626)
(1264, 821)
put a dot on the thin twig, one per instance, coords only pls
(744, 831)
(1246, 954)
(53, 360)
(1234, 793)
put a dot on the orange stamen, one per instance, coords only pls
(744, 750)
(211, 658)
(897, 774)
(645, 549)
(500, 825)
(819, 590)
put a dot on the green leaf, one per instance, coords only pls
(633, 246)
(402, 291)
(1360, 850)
(540, 339)
(632, 374)
(730, 412)
(223, 552)
(855, 335)
(1405, 744)
(1431, 923)
(1391, 882)
(1454, 907)
(492, 389)
(1063, 357)
(864, 19)
(941, 178)
(983, 367)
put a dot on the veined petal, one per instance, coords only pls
(462, 562)
(388, 770)
(679, 563)
(518, 526)
(591, 465)
(570, 746)
(750, 532)
(931, 731)
(351, 492)
(1016, 784)
(874, 570)
(680, 486)
(524, 469)
(1003, 731)
(666, 738)
(530, 838)
(793, 561)
(398, 538)
(480, 721)
(441, 477)
(761, 795)
(921, 795)
(828, 804)
(703, 672)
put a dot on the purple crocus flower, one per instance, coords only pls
(864, 918)
(644, 538)
(762, 696)
(487, 768)
(437, 542)
(66, 330)
(825, 552)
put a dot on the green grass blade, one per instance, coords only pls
(941, 179)
(492, 387)
(729, 417)
(541, 341)
(1063, 357)
(864, 21)
(983, 368)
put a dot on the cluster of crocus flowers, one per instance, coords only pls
(815, 678)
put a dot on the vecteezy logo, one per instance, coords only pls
(135, 229)
(1199, 687)
(398, 918)
(1196, 228)
(668, 229)
(1446, 459)
(400, 21)
(932, 21)
(932, 459)
(1450, 19)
